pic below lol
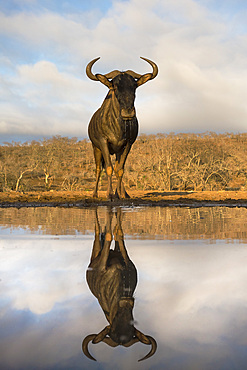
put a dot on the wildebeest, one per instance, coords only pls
(112, 278)
(114, 127)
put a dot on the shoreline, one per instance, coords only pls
(138, 199)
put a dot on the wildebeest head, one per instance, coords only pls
(129, 336)
(124, 85)
(122, 328)
(121, 331)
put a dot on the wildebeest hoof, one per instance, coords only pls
(126, 195)
(123, 195)
(111, 197)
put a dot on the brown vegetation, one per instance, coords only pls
(160, 162)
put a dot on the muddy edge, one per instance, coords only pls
(137, 199)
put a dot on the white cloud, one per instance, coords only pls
(202, 67)
(42, 100)
(196, 293)
(191, 296)
(34, 275)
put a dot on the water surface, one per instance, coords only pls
(190, 295)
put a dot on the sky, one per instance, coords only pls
(200, 47)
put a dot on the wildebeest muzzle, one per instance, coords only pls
(128, 114)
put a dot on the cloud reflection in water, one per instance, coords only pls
(196, 312)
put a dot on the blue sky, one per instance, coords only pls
(57, 6)
(199, 46)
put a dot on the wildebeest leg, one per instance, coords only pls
(102, 241)
(108, 167)
(97, 156)
(119, 171)
(119, 237)
(96, 244)
(107, 241)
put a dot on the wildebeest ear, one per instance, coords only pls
(144, 78)
(104, 80)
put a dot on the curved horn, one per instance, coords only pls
(98, 77)
(89, 70)
(104, 78)
(151, 76)
(153, 348)
(85, 346)
(95, 338)
(110, 342)
(146, 339)
(148, 76)
(133, 74)
(99, 337)
(112, 74)
(154, 66)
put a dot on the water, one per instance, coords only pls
(190, 295)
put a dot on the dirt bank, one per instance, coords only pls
(138, 198)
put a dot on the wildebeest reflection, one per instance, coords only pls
(112, 278)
